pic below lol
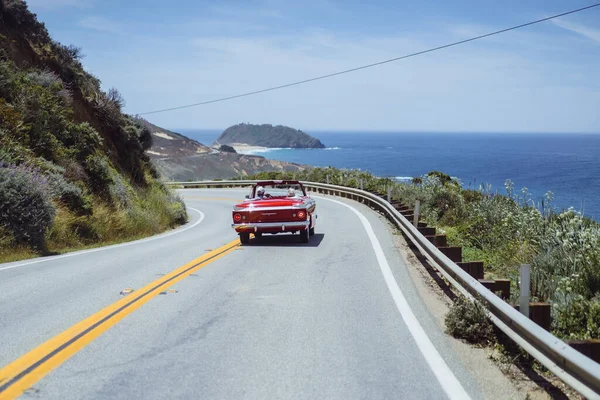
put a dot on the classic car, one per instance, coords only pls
(275, 207)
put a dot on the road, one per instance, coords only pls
(338, 318)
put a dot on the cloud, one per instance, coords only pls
(489, 88)
(249, 13)
(50, 4)
(590, 33)
(525, 81)
(100, 24)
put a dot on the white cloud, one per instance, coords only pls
(590, 33)
(529, 82)
(250, 13)
(100, 24)
(49, 4)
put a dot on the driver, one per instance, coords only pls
(291, 192)
(260, 193)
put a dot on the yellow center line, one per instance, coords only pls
(25, 371)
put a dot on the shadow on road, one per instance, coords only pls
(286, 240)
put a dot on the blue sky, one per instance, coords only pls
(163, 54)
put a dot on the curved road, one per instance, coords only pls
(337, 318)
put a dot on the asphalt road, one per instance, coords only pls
(275, 319)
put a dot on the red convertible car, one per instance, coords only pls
(275, 207)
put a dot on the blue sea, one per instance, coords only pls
(566, 164)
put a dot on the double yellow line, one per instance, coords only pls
(19, 375)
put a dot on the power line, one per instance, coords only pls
(373, 64)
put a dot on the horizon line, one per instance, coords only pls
(341, 130)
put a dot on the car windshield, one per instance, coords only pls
(283, 190)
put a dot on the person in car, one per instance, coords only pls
(291, 192)
(261, 194)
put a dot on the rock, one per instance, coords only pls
(227, 149)
(269, 136)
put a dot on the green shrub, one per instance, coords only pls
(82, 140)
(134, 128)
(570, 320)
(468, 320)
(120, 192)
(98, 171)
(593, 319)
(472, 196)
(43, 78)
(443, 178)
(177, 210)
(76, 200)
(26, 208)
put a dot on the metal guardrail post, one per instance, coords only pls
(524, 286)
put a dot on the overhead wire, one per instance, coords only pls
(347, 71)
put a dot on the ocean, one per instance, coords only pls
(566, 164)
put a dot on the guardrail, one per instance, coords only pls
(575, 369)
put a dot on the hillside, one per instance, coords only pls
(268, 136)
(171, 144)
(73, 171)
(220, 165)
(179, 158)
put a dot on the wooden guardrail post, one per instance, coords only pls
(441, 240)
(427, 231)
(389, 194)
(416, 215)
(453, 253)
(589, 348)
(473, 268)
(540, 313)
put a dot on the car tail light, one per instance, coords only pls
(301, 214)
(237, 217)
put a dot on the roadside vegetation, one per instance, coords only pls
(505, 231)
(73, 172)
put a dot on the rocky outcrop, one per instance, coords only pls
(268, 136)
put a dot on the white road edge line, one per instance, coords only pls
(114, 246)
(438, 366)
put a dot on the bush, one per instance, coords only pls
(75, 172)
(593, 320)
(468, 320)
(27, 211)
(82, 140)
(43, 78)
(177, 210)
(75, 199)
(134, 128)
(98, 170)
(120, 192)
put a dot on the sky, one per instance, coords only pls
(161, 54)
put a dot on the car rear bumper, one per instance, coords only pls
(272, 227)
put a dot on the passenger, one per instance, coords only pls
(291, 192)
